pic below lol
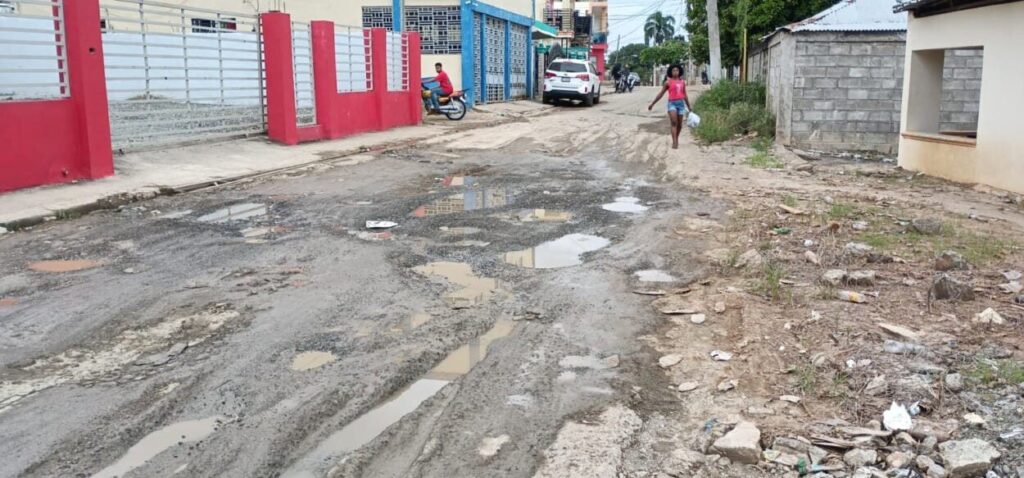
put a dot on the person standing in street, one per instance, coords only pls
(678, 103)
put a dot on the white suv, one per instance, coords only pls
(572, 80)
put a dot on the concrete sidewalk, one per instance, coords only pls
(143, 175)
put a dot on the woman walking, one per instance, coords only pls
(678, 104)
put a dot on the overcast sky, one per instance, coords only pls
(626, 18)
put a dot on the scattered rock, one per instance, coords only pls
(901, 348)
(927, 445)
(688, 386)
(926, 226)
(901, 332)
(728, 384)
(989, 316)
(940, 431)
(968, 458)
(935, 471)
(670, 360)
(742, 444)
(790, 398)
(811, 257)
(945, 287)
(1012, 275)
(974, 419)
(721, 356)
(1019, 299)
(833, 277)
(719, 307)
(876, 386)
(897, 460)
(949, 261)
(1011, 287)
(923, 462)
(674, 305)
(859, 225)
(491, 446)
(897, 418)
(858, 457)
(749, 260)
(954, 382)
(861, 278)
(698, 318)
(857, 249)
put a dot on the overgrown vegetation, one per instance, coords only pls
(770, 282)
(988, 373)
(730, 108)
(763, 157)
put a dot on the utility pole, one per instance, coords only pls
(715, 41)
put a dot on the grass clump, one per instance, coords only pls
(770, 282)
(762, 157)
(989, 373)
(730, 108)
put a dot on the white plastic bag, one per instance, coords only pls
(693, 120)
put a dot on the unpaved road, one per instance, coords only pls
(285, 338)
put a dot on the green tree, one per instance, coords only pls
(669, 53)
(659, 27)
(630, 55)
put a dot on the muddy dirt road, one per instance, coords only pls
(262, 329)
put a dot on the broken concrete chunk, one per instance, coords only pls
(974, 419)
(721, 356)
(941, 431)
(811, 257)
(897, 418)
(989, 316)
(876, 386)
(949, 261)
(1012, 275)
(833, 277)
(861, 278)
(954, 382)
(750, 259)
(670, 360)
(858, 457)
(926, 226)
(698, 318)
(857, 249)
(897, 460)
(900, 348)
(901, 332)
(728, 384)
(1011, 287)
(945, 287)
(968, 458)
(742, 444)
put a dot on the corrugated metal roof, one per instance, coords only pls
(854, 16)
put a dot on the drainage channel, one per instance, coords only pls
(365, 428)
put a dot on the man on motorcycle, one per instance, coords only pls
(445, 88)
(623, 84)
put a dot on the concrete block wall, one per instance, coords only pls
(961, 90)
(847, 91)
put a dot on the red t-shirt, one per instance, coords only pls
(446, 84)
(676, 89)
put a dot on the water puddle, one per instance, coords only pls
(460, 231)
(474, 289)
(563, 252)
(158, 442)
(364, 429)
(238, 212)
(311, 360)
(473, 197)
(64, 266)
(654, 275)
(176, 214)
(625, 204)
(544, 215)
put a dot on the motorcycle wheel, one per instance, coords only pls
(460, 110)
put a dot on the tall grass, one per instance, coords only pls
(730, 108)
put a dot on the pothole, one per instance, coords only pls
(311, 360)
(237, 212)
(626, 204)
(474, 289)
(64, 266)
(368, 426)
(471, 199)
(562, 252)
(159, 441)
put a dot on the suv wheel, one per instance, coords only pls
(589, 100)
(597, 99)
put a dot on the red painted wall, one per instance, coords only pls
(55, 141)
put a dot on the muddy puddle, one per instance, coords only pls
(562, 252)
(159, 441)
(364, 429)
(654, 275)
(628, 204)
(474, 196)
(311, 360)
(64, 266)
(472, 290)
(238, 212)
(544, 215)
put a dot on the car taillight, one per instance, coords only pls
(548, 74)
(584, 77)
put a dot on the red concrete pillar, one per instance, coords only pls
(88, 83)
(415, 95)
(325, 76)
(379, 60)
(282, 119)
(597, 51)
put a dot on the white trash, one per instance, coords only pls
(693, 120)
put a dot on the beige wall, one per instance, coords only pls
(997, 159)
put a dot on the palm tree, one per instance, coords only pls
(659, 28)
(714, 41)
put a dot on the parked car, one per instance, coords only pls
(567, 79)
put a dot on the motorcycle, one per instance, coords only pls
(632, 81)
(453, 106)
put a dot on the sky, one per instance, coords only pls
(627, 17)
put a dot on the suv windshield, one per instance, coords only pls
(567, 67)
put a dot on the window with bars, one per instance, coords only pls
(206, 25)
(440, 28)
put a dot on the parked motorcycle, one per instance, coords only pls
(631, 81)
(452, 106)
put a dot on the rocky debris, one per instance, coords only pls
(940, 431)
(901, 348)
(790, 398)
(857, 249)
(727, 384)
(811, 257)
(861, 278)
(719, 307)
(670, 360)
(698, 318)
(833, 277)
(721, 356)
(945, 287)
(926, 226)
(950, 261)
(968, 458)
(897, 418)
(974, 419)
(876, 386)
(1011, 287)
(859, 225)
(989, 316)
(900, 332)
(491, 446)
(1013, 275)
(159, 359)
(927, 444)
(897, 460)
(749, 260)
(688, 386)
(954, 382)
(742, 444)
(859, 457)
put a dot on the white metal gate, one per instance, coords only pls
(517, 49)
(181, 74)
(495, 60)
(33, 64)
(302, 64)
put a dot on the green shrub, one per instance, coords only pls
(730, 108)
(727, 93)
(714, 127)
